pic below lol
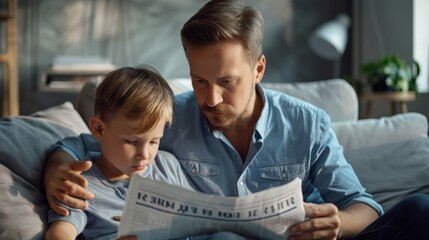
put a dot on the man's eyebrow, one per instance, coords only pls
(193, 75)
(228, 76)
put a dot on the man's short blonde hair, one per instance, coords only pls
(226, 20)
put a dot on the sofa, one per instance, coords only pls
(390, 155)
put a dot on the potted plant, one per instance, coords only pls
(391, 73)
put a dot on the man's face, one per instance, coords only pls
(224, 82)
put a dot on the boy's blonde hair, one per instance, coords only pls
(136, 93)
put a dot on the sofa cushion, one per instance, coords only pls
(390, 155)
(64, 115)
(23, 207)
(336, 96)
(24, 142)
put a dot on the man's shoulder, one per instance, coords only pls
(186, 106)
(184, 97)
(292, 106)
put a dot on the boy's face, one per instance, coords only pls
(125, 151)
(224, 82)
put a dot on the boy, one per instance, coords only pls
(132, 108)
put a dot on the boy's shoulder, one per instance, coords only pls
(166, 168)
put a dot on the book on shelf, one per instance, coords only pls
(64, 63)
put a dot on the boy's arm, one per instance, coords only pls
(61, 230)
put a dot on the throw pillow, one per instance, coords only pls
(24, 142)
(390, 155)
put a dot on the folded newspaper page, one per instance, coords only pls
(156, 210)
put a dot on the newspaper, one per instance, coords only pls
(156, 210)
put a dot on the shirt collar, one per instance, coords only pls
(263, 120)
(261, 124)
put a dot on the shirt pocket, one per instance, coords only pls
(273, 176)
(204, 174)
(203, 169)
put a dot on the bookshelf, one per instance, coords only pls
(69, 73)
(9, 58)
(67, 80)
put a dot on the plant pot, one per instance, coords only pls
(381, 86)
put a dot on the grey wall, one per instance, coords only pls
(133, 32)
(386, 27)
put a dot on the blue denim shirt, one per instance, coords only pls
(292, 139)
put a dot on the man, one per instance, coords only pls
(234, 138)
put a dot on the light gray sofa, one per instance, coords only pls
(390, 155)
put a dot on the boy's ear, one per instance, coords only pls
(96, 127)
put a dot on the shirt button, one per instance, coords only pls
(194, 170)
(241, 183)
(283, 175)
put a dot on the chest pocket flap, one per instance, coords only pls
(285, 172)
(203, 169)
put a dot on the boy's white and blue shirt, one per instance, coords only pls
(98, 220)
(292, 139)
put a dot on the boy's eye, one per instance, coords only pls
(130, 141)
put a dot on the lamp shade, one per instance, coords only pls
(329, 40)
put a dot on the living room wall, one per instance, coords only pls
(386, 27)
(132, 32)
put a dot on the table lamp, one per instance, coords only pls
(329, 40)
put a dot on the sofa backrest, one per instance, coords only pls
(336, 96)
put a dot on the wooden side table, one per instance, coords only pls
(395, 98)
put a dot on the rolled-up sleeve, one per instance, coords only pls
(332, 175)
(76, 147)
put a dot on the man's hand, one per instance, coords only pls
(128, 238)
(323, 223)
(63, 182)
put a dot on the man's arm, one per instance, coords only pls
(325, 221)
(355, 218)
(63, 182)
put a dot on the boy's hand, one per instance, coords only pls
(63, 182)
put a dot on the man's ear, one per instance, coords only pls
(260, 68)
(96, 127)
